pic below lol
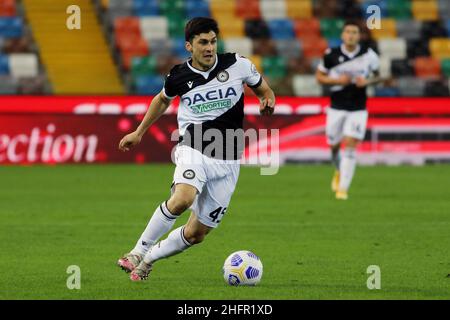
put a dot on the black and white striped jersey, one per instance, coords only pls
(212, 99)
(338, 61)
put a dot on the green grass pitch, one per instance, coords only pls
(312, 246)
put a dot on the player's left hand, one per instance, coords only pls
(267, 107)
(361, 82)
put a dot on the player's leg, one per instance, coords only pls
(348, 166)
(189, 178)
(336, 155)
(160, 223)
(334, 128)
(165, 215)
(336, 161)
(180, 239)
(354, 131)
(195, 231)
(208, 210)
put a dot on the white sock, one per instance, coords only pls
(160, 223)
(173, 244)
(347, 168)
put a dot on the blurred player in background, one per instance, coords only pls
(211, 88)
(348, 69)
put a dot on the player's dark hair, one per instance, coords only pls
(199, 25)
(352, 23)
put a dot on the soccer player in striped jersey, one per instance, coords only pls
(348, 69)
(211, 91)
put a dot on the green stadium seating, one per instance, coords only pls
(399, 9)
(177, 23)
(274, 67)
(220, 46)
(170, 6)
(144, 66)
(445, 66)
(331, 28)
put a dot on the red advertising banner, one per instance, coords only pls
(70, 138)
(138, 105)
(88, 129)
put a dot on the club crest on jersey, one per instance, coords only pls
(254, 71)
(189, 174)
(223, 76)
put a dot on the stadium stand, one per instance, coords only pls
(284, 38)
(20, 69)
(76, 61)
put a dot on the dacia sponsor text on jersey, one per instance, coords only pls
(211, 100)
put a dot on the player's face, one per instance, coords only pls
(351, 35)
(203, 49)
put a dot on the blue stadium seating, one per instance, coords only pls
(146, 8)
(334, 42)
(178, 48)
(148, 85)
(11, 27)
(447, 25)
(197, 8)
(281, 29)
(387, 92)
(4, 64)
(382, 4)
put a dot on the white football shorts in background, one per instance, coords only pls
(342, 123)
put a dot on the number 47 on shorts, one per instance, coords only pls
(215, 214)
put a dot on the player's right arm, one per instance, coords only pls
(157, 107)
(323, 78)
(323, 70)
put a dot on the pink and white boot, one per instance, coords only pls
(141, 272)
(129, 262)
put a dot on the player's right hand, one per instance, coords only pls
(129, 141)
(344, 80)
(267, 107)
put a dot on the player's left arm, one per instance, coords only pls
(260, 87)
(374, 77)
(266, 97)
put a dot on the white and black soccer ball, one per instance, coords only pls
(242, 268)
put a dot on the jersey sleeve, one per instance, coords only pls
(169, 89)
(250, 75)
(325, 65)
(374, 62)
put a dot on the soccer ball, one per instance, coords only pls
(242, 268)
